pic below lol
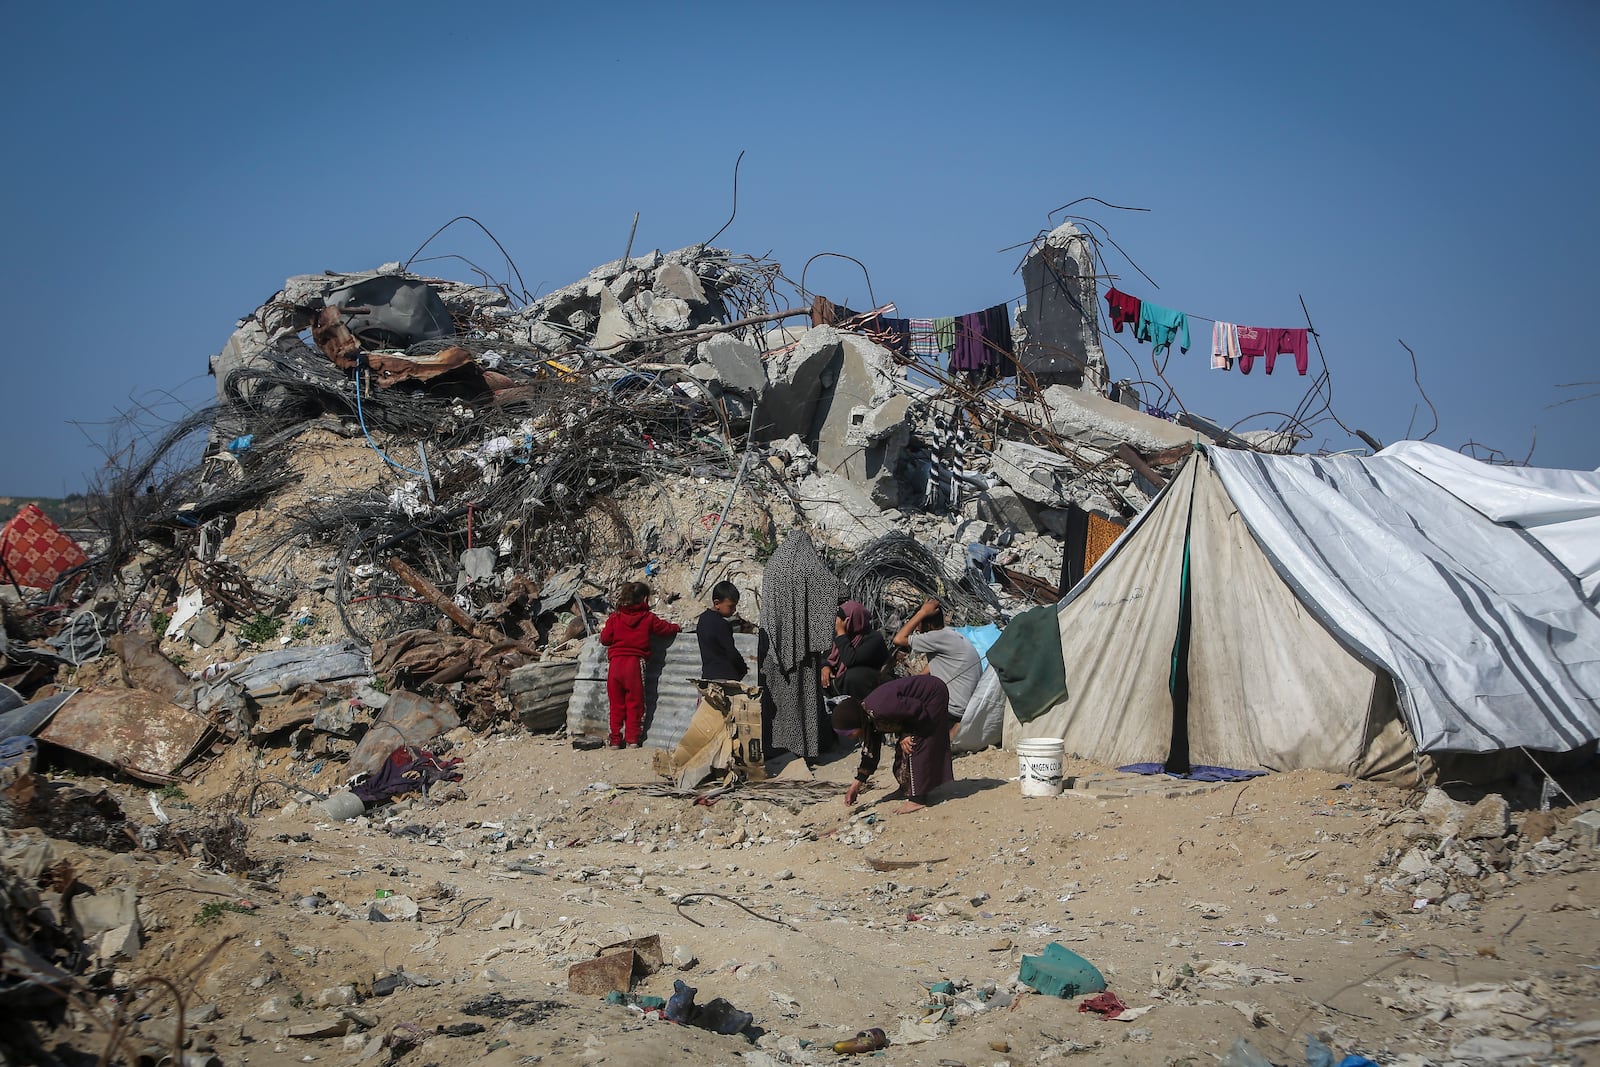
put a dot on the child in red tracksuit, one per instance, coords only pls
(626, 635)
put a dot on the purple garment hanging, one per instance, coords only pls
(971, 353)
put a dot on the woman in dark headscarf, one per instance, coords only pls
(799, 601)
(917, 710)
(854, 667)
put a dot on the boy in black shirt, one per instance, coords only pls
(719, 658)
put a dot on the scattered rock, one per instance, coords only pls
(1488, 818)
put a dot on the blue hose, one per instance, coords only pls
(363, 420)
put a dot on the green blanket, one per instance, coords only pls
(1028, 660)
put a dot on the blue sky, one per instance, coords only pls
(1417, 171)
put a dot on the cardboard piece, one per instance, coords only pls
(724, 732)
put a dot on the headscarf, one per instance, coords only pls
(848, 714)
(799, 601)
(856, 620)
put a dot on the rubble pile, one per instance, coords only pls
(391, 453)
(392, 536)
(1453, 855)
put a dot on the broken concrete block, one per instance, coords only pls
(1442, 813)
(1033, 472)
(614, 325)
(1587, 828)
(838, 508)
(1090, 419)
(398, 908)
(123, 942)
(647, 951)
(863, 379)
(677, 280)
(1488, 818)
(870, 426)
(598, 977)
(1415, 861)
(205, 630)
(1004, 508)
(737, 364)
(796, 379)
(666, 312)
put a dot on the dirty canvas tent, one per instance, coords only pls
(1360, 615)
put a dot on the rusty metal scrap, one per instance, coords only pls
(137, 732)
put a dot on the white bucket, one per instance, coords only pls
(1039, 766)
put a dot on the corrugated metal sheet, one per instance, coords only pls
(670, 698)
(541, 692)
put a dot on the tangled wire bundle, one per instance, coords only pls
(898, 558)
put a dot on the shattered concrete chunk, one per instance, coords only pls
(614, 325)
(1587, 828)
(798, 377)
(738, 365)
(1488, 818)
(667, 312)
(1090, 419)
(1004, 509)
(677, 280)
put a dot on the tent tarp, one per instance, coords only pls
(1344, 613)
(1117, 628)
(1487, 639)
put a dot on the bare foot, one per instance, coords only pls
(908, 807)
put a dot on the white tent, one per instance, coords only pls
(1338, 612)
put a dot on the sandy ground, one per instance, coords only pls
(539, 859)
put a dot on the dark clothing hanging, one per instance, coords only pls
(1075, 546)
(719, 656)
(893, 334)
(997, 334)
(863, 664)
(825, 312)
(1272, 342)
(1123, 309)
(971, 353)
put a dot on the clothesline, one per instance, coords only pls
(1231, 343)
(980, 343)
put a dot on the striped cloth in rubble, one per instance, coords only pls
(947, 465)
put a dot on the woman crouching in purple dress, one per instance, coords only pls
(917, 710)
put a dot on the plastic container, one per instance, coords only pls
(1061, 972)
(341, 806)
(1039, 766)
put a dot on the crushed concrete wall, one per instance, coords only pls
(1058, 327)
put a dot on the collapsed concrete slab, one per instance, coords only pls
(859, 428)
(1035, 473)
(1058, 331)
(834, 506)
(738, 365)
(796, 381)
(1091, 419)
